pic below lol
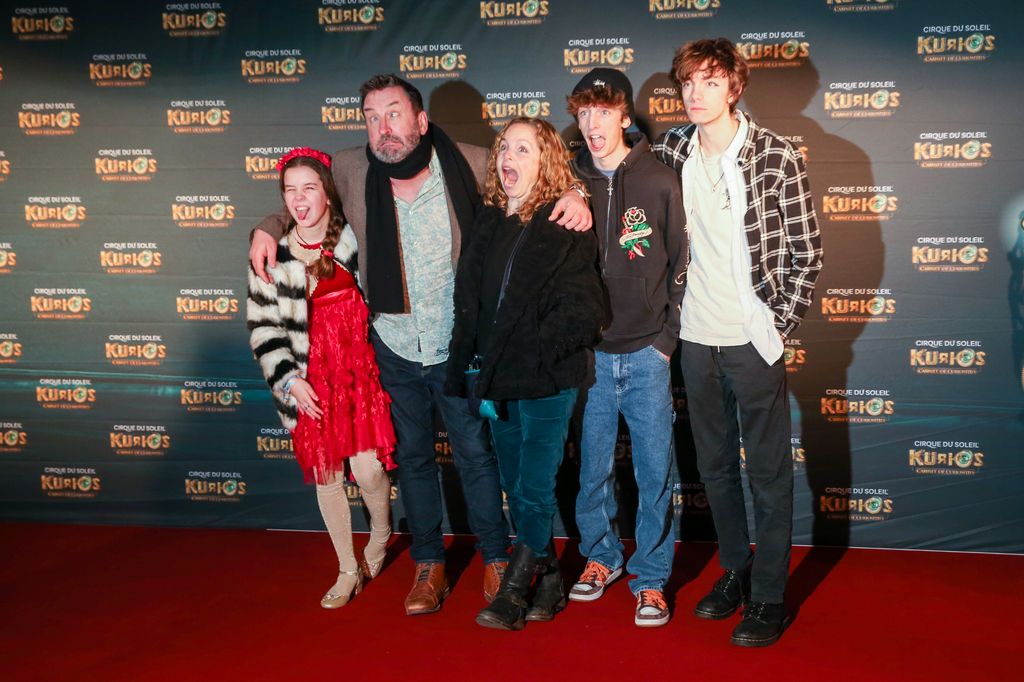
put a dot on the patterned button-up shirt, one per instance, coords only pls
(781, 228)
(424, 228)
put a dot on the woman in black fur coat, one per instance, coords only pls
(529, 306)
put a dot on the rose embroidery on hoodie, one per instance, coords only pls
(635, 232)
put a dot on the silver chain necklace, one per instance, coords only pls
(726, 205)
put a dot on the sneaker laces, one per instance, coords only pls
(594, 572)
(652, 598)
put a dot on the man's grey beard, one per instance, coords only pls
(397, 154)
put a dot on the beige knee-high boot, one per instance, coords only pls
(338, 518)
(376, 490)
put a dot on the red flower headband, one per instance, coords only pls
(305, 151)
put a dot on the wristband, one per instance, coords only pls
(579, 190)
(288, 385)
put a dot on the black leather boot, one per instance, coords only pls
(729, 593)
(549, 598)
(508, 609)
(762, 624)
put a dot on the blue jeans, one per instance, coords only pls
(638, 385)
(415, 389)
(530, 446)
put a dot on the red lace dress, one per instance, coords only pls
(343, 373)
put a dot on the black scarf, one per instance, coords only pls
(385, 283)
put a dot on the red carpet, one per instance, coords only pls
(114, 603)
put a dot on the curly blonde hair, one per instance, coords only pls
(553, 180)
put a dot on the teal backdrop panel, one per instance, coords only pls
(137, 150)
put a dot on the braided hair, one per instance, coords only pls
(323, 267)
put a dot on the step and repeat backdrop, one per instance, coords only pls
(138, 149)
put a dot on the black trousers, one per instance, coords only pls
(730, 391)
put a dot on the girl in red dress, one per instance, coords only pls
(309, 333)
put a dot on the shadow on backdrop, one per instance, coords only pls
(457, 107)
(1015, 298)
(854, 255)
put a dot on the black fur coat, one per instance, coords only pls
(549, 319)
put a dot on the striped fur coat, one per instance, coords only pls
(277, 317)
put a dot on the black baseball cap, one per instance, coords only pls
(613, 79)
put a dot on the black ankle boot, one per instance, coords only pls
(549, 597)
(730, 592)
(508, 609)
(762, 624)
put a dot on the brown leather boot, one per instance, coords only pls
(493, 573)
(429, 590)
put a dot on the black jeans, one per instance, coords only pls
(415, 389)
(718, 381)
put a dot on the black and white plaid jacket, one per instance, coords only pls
(780, 224)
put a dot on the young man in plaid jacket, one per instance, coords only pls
(755, 253)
